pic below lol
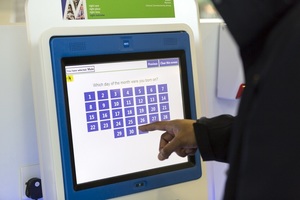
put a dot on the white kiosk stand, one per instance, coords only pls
(90, 81)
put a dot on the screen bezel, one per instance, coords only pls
(93, 45)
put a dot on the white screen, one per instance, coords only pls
(107, 102)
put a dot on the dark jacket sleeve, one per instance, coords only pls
(213, 135)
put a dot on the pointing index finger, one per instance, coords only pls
(159, 125)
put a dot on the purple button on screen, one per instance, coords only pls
(103, 105)
(153, 118)
(139, 90)
(127, 92)
(105, 125)
(163, 97)
(164, 107)
(128, 101)
(118, 123)
(165, 116)
(162, 88)
(153, 108)
(131, 131)
(90, 106)
(151, 89)
(103, 94)
(119, 133)
(152, 99)
(115, 93)
(141, 110)
(169, 62)
(116, 113)
(92, 127)
(140, 100)
(129, 111)
(152, 63)
(130, 121)
(142, 119)
(91, 116)
(116, 103)
(104, 114)
(89, 96)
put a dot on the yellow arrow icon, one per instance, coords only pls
(70, 78)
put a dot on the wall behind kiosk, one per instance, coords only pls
(18, 144)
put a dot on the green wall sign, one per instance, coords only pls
(118, 9)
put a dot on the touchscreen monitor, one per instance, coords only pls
(105, 87)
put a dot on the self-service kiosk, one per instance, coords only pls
(97, 78)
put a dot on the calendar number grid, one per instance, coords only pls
(123, 110)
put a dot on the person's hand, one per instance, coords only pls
(179, 137)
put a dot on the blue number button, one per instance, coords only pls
(103, 105)
(153, 118)
(104, 114)
(152, 99)
(115, 93)
(140, 100)
(116, 103)
(163, 98)
(164, 107)
(153, 108)
(162, 88)
(89, 96)
(142, 119)
(91, 116)
(128, 102)
(131, 131)
(118, 123)
(151, 89)
(117, 113)
(165, 116)
(129, 111)
(127, 92)
(92, 127)
(102, 94)
(139, 91)
(119, 133)
(105, 125)
(91, 106)
(130, 121)
(141, 110)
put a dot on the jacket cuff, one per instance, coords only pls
(202, 138)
